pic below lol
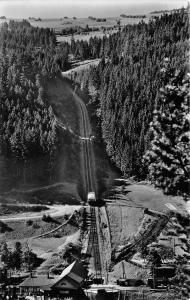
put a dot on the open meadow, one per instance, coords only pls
(58, 24)
(100, 29)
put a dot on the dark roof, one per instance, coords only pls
(39, 281)
(74, 271)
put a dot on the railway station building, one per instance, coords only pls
(47, 286)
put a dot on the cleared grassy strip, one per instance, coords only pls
(84, 65)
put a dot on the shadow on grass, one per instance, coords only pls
(4, 227)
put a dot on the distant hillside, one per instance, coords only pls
(133, 16)
(165, 11)
(97, 19)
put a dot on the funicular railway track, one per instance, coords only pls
(93, 243)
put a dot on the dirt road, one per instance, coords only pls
(54, 211)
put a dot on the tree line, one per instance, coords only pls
(18, 257)
(77, 30)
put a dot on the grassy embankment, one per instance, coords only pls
(130, 224)
(69, 161)
(60, 183)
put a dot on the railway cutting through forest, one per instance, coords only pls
(93, 247)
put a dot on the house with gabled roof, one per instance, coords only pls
(67, 282)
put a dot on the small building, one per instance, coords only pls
(68, 282)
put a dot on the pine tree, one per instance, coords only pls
(17, 256)
(5, 253)
(169, 154)
(30, 258)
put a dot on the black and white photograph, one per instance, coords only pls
(94, 150)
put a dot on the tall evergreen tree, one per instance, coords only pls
(5, 253)
(169, 155)
(17, 256)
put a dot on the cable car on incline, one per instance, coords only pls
(91, 197)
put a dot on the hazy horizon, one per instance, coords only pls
(84, 8)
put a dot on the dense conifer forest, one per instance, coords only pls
(28, 58)
(125, 86)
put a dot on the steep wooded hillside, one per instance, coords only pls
(28, 57)
(124, 88)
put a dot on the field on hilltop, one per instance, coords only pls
(110, 25)
(62, 23)
(70, 22)
(84, 37)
